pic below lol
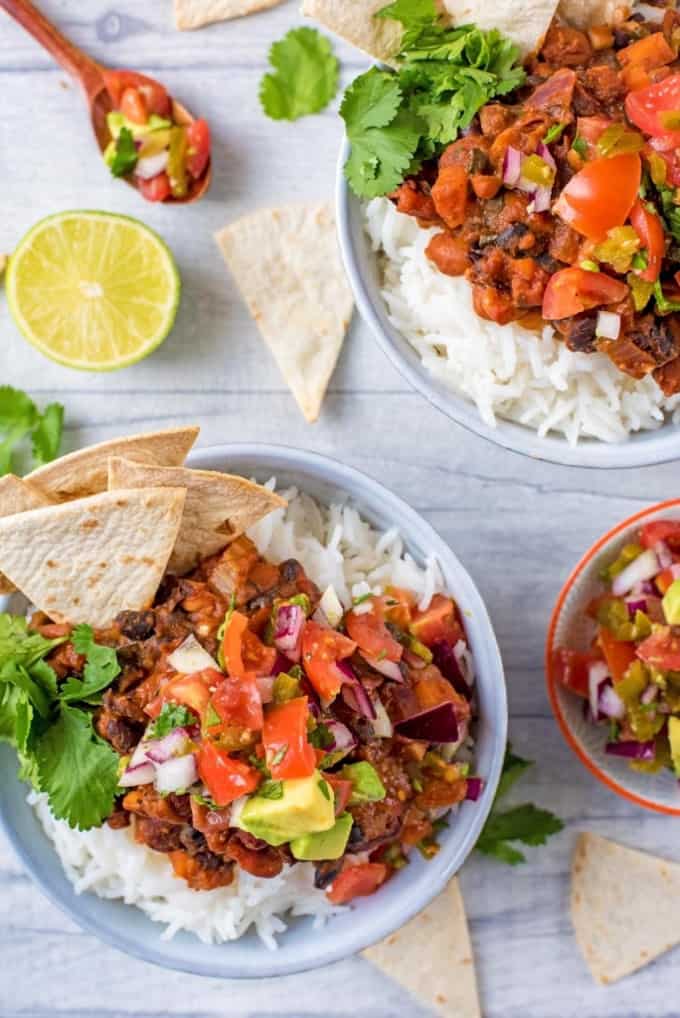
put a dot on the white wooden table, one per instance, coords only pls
(517, 525)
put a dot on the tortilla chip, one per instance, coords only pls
(353, 21)
(431, 957)
(196, 13)
(218, 507)
(379, 37)
(17, 496)
(84, 561)
(526, 25)
(625, 906)
(287, 266)
(584, 13)
(86, 472)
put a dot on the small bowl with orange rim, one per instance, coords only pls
(613, 659)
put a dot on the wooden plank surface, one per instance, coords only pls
(517, 525)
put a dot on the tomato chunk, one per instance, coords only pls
(198, 147)
(645, 107)
(661, 649)
(156, 189)
(369, 632)
(321, 651)
(357, 882)
(237, 701)
(193, 691)
(661, 530)
(618, 654)
(439, 621)
(571, 669)
(571, 291)
(649, 229)
(154, 95)
(243, 651)
(288, 752)
(591, 205)
(225, 777)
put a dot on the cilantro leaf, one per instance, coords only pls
(305, 76)
(124, 154)
(20, 644)
(372, 100)
(414, 15)
(77, 769)
(172, 716)
(100, 670)
(20, 417)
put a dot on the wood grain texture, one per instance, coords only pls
(517, 525)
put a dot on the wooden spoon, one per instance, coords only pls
(90, 74)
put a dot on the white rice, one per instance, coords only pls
(507, 371)
(336, 547)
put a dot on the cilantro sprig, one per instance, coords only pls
(50, 725)
(305, 75)
(396, 119)
(526, 824)
(125, 155)
(20, 420)
(172, 715)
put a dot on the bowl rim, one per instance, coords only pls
(643, 448)
(551, 677)
(326, 470)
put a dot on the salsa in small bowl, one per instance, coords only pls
(613, 659)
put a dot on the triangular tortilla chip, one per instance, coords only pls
(287, 266)
(84, 561)
(526, 24)
(218, 507)
(196, 13)
(625, 906)
(353, 21)
(86, 471)
(17, 496)
(431, 957)
(584, 13)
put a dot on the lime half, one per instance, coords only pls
(93, 290)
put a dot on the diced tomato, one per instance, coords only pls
(571, 291)
(321, 650)
(650, 52)
(237, 701)
(591, 129)
(357, 882)
(133, 107)
(243, 651)
(571, 668)
(369, 632)
(645, 106)
(661, 530)
(342, 790)
(226, 778)
(664, 580)
(649, 229)
(155, 96)
(401, 612)
(618, 654)
(198, 147)
(589, 203)
(284, 735)
(661, 649)
(156, 189)
(193, 691)
(438, 622)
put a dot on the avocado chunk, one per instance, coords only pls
(326, 845)
(289, 810)
(366, 785)
(674, 739)
(116, 121)
(671, 604)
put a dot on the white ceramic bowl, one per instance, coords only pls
(570, 627)
(361, 266)
(301, 947)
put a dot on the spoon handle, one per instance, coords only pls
(78, 64)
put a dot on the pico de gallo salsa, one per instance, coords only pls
(259, 724)
(151, 142)
(561, 202)
(629, 678)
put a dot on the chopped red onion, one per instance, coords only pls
(342, 737)
(358, 700)
(610, 703)
(473, 789)
(150, 166)
(632, 750)
(382, 726)
(644, 567)
(450, 665)
(290, 621)
(675, 570)
(512, 166)
(636, 605)
(598, 673)
(191, 657)
(650, 694)
(281, 664)
(542, 200)
(176, 774)
(390, 669)
(546, 155)
(175, 744)
(664, 555)
(438, 724)
(140, 774)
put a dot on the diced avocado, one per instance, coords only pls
(671, 604)
(674, 740)
(305, 806)
(326, 845)
(116, 121)
(366, 785)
